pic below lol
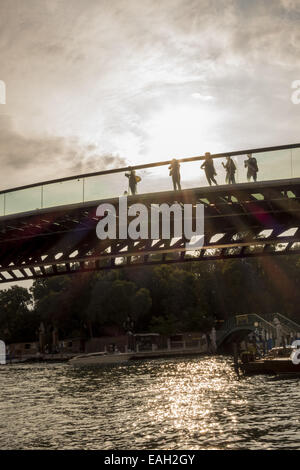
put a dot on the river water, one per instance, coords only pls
(179, 404)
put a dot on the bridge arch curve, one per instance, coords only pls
(49, 228)
(236, 335)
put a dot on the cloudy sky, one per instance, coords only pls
(94, 84)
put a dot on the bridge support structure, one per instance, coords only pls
(241, 220)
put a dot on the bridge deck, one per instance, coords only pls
(61, 240)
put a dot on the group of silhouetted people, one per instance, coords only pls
(230, 167)
(209, 169)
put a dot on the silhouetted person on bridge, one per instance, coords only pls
(230, 170)
(175, 173)
(209, 168)
(133, 180)
(252, 168)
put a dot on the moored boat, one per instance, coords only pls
(277, 362)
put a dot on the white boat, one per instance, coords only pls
(100, 358)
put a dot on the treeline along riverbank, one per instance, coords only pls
(162, 299)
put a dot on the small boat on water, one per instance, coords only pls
(100, 358)
(278, 361)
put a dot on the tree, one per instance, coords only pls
(17, 321)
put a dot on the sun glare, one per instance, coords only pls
(177, 131)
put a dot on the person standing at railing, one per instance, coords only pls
(252, 168)
(175, 173)
(230, 170)
(133, 180)
(209, 168)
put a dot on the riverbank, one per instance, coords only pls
(159, 354)
(40, 358)
(135, 356)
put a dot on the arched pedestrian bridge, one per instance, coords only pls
(49, 228)
(236, 329)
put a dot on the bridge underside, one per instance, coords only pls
(235, 336)
(243, 220)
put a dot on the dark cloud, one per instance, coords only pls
(106, 72)
(47, 157)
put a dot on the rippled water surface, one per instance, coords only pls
(184, 404)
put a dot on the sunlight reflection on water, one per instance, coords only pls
(191, 403)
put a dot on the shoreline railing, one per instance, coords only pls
(274, 163)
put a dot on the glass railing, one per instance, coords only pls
(274, 163)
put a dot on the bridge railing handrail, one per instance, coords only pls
(232, 323)
(151, 165)
(263, 320)
(286, 321)
(255, 317)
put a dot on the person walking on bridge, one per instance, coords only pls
(209, 168)
(230, 168)
(175, 173)
(133, 180)
(252, 168)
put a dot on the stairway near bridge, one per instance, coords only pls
(268, 323)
